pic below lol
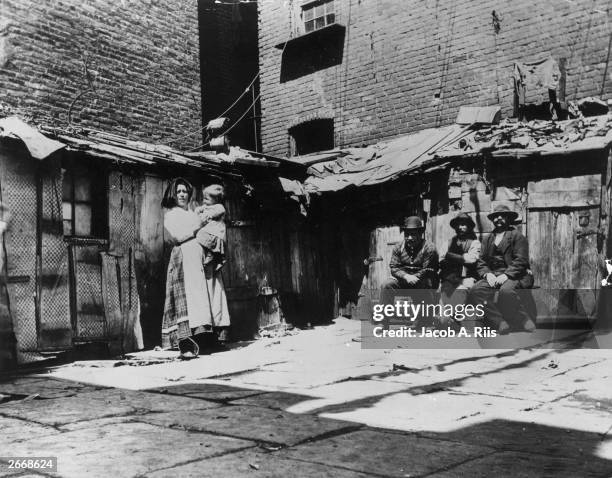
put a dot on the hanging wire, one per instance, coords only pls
(232, 126)
(199, 130)
(243, 115)
(247, 89)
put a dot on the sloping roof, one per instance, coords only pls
(44, 141)
(384, 161)
(423, 151)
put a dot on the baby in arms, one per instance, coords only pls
(211, 236)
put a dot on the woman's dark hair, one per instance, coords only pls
(169, 201)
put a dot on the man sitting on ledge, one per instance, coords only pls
(414, 263)
(504, 265)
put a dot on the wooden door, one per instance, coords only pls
(149, 258)
(257, 256)
(564, 260)
(563, 231)
(382, 242)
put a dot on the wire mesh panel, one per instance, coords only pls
(122, 220)
(55, 326)
(90, 323)
(18, 183)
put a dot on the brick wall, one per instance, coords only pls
(409, 64)
(126, 66)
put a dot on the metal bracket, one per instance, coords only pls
(582, 234)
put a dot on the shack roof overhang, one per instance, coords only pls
(46, 140)
(435, 148)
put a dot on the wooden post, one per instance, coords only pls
(8, 350)
(38, 270)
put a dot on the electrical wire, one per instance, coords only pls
(197, 131)
(232, 126)
(246, 90)
(243, 115)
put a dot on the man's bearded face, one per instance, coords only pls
(462, 229)
(500, 221)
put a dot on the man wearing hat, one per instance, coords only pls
(458, 265)
(414, 261)
(504, 265)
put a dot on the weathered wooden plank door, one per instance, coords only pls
(382, 242)
(241, 276)
(564, 253)
(311, 277)
(563, 231)
(564, 257)
(149, 258)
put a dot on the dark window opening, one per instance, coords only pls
(314, 51)
(84, 201)
(312, 136)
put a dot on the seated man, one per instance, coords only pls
(503, 265)
(414, 263)
(458, 265)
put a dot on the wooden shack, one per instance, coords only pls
(85, 251)
(555, 175)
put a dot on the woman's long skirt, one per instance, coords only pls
(195, 296)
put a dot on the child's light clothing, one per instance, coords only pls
(212, 235)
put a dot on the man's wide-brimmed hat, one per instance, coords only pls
(503, 209)
(462, 217)
(412, 223)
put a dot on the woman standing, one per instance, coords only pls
(195, 296)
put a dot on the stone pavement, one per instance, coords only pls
(317, 404)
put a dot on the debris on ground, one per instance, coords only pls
(398, 366)
(139, 363)
(271, 448)
(17, 398)
(143, 362)
(552, 364)
(277, 331)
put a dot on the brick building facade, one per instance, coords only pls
(393, 67)
(130, 67)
